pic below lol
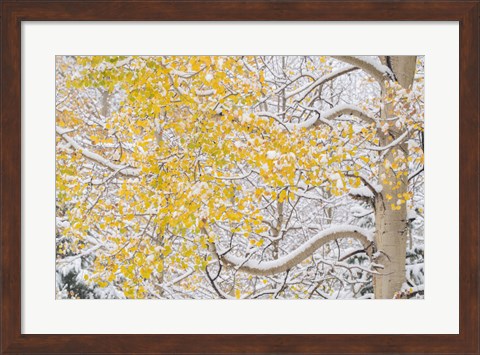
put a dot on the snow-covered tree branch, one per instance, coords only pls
(298, 255)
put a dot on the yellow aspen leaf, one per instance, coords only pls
(167, 250)
(145, 272)
(160, 267)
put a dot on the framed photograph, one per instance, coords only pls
(239, 177)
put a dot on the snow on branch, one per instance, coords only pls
(307, 87)
(78, 256)
(328, 115)
(239, 177)
(377, 70)
(320, 81)
(370, 190)
(311, 122)
(391, 144)
(362, 191)
(347, 110)
(259, 268)
(124, 170)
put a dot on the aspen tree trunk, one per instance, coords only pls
(390, 235)
(391, 224)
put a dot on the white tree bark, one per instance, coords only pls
(390, 237)
(391, 225)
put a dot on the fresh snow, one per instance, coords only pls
(342, 230)
(362, 191)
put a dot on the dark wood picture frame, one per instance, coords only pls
(13, 12)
